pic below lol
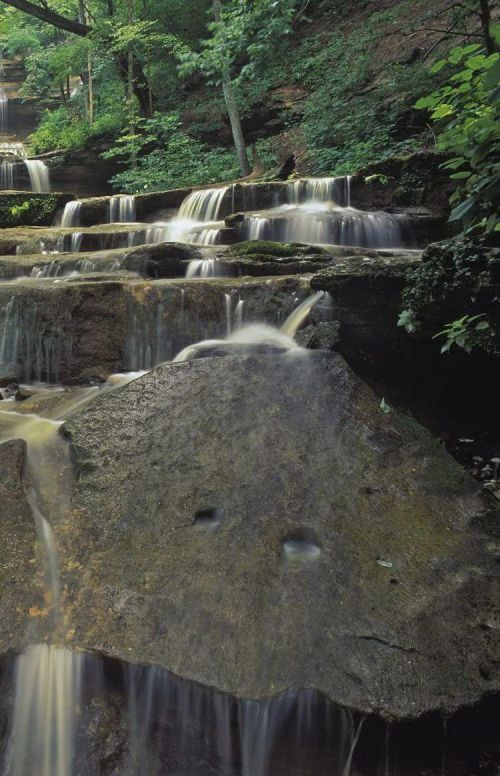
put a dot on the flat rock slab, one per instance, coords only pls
(191, 480)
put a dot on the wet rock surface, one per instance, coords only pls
(72, 328)
(395, 615)
(18, 583)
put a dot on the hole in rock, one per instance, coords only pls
(209, 517)
(301, 545)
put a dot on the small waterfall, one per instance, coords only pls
(48, 686)
(238, 314)
(4, 112)
(335, 190)
(203, 237)
(331, 226)
(148, 343)
(205, 268)
(226, 731)
(39, 175)
(7, 175)
(255, 334)
(31, 342)
(299, 315)
(122, 209)
(51, 270)
(71, 214)
(76, 242)
(204, 205)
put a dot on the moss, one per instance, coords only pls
(26, 208)
(261, 250)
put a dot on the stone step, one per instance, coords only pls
(74, 329)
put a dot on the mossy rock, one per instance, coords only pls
(262, 250)
(23, 208)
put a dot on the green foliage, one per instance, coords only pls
(63, 130)
(17, 211)
(468, 332)
(466, 112)
(33, 209)
(160, 155)
(457, 275)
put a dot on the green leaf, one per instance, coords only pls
(458, 176)
(442, 110)
(462, 209)
(482, 325)
(426, 102)
(438, 66)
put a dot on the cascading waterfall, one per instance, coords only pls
(320, 213)
(71, 214)
(189, 225)
(122, 209)
(39, 175)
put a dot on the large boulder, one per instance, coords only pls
(261, 523)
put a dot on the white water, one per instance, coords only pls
(204, 205)
(204, 268)
(4, 112)
(71, 214)
(7, 173)
(48, 686)
(122, 209)
(38, 174)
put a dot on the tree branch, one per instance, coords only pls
(51, 17)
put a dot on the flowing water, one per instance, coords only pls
(122, 209)
(38, 174)
(71, 214)
(4, 112)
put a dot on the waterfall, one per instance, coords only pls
(39, 175)
(4, 111)
(325, 190)
(205, 268)
(76, 242)
(71, 214)
(7, 175)
(31, 341)
(299, 315)
(204, 205)
(203, 236)
(122, 209)
(330, 226)
(255, 334)
(48, 684)
(225, 731)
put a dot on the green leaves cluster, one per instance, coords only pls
(467, 333)
(466, 113)
(166, 157)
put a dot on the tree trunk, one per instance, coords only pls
(232, 107)
(485, 13)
